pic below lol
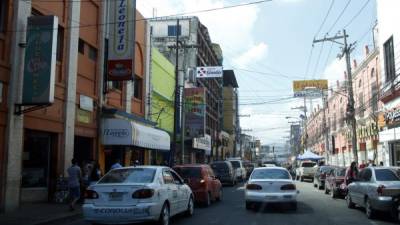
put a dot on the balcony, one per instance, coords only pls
(390, 90)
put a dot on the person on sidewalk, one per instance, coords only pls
(95, 175)
(74, 183)
(362, 165)
(351, 173)
(117, 164)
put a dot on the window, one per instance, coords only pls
(3, 17)
(60, 43)
(177, 179)
(168, 178)
(137, 175)
(189, 172)
(372, 72)
(137, 87)
(374, 97)
(359, 83)
(92, 53)
(172, 30)
(386, 175)
(116, 85)
(388, 54)
(366, 176)
(270, 174)
(81, 46)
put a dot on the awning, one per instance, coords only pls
(129, 133)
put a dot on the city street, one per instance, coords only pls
(314, 208)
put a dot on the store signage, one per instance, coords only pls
(40, 60)
(83, 116)
(203, 143)
(121, 40)
(392, 116)
(309, 88)
(195, 110)
(86, 103)
(209, 72)
(117, 132)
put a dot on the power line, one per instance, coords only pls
(326, 16)
(318, 59)
(309, 61)
(340, 16)
(357, 14)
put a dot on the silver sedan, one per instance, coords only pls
(270, 185)
(137, 194)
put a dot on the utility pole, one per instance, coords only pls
(325, 127)
(305, 124)
(350, 112)
(177, 100)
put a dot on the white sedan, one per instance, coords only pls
(137, 194)
(270, 185)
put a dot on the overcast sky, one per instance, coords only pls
(269, 45)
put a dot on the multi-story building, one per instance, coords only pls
(195, 49)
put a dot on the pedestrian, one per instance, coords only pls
(117, 164)
(371, 163)
(95, 175)
(74, 181)
(351, 173)
(380, 163)
(362, 165)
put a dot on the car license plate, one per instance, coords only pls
(271, 197)
(115, 196)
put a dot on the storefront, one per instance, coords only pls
(130, 141)
(390, 140)
(202, 148)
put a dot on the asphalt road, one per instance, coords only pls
(314, 208)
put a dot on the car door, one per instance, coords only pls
(183, 195)
(355, 188)
(172, 191)
(365, 185)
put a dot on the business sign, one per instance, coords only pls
(195, 110)
(209, 72)
(309, 88)
(117, 132)
(86, 103)
(121, 40)
(203, 143)
(308, 94)
(392, 116)
(40, 60)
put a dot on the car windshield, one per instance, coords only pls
(325, 169)
(188, 172)
(308, 164)
(270, 174)
(235, 164)
(341, 172)
(129, 175)
(386, 175)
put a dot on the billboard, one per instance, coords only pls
(309, 88)
(209, 72)
(195, 110)
(121, 40)
(40, 60)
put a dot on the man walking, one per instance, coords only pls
(117, 164)
(74, 179)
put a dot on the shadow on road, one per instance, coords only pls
(302, 208)
(380, 216)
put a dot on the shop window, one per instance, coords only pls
(116, 85)
(92, 53)
(137, 87)
(60, 43)
(388, 54)
(3, 16)
(81, 46)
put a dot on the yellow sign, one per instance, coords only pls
(301, 85)
(83, 116)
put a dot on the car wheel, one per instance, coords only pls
(220, 194)
(369, 211)
(350, 203)
(164, 215)
(190, 209)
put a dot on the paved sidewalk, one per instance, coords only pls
(40, 213)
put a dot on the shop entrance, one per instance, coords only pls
(395, 148)
(83, 149)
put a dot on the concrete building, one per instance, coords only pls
(196, 50)
(389, 44)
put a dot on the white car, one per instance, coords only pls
(240, 171)
(270, 185)
(138, 194)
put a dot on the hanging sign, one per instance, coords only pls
(209, 72)
(40, 60)
(195, 112)
(121, 40)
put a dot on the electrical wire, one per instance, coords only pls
(340, 16)
(326, 16)
(357, 14)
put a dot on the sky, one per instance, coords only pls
(269, 45)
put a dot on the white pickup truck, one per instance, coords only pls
(306, 170)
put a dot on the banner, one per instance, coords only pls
(209, 72)
(40, 60)
(121, 45)
(195, 110)
(301, 85)
(203, 143)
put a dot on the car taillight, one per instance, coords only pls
(253, 187)
(143, 193)
(287, 187)
(380, 189)
(202, 181)
(90, 194)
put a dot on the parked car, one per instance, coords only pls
(320, 175)
(334, 183)
(203, 182)
(249, 168)
(137, 194)
(306, 170)
(270, 185)
(374, 189)
(240, 171)
(224, 171)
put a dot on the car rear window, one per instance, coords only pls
(188, 172)
(235, 164)
(270, 174)
(386, 175)
(326, 169)
(308, 164)
(219, 166)
(131, 175)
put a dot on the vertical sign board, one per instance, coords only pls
(40, 60)
(121, 40)
(195, 110)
